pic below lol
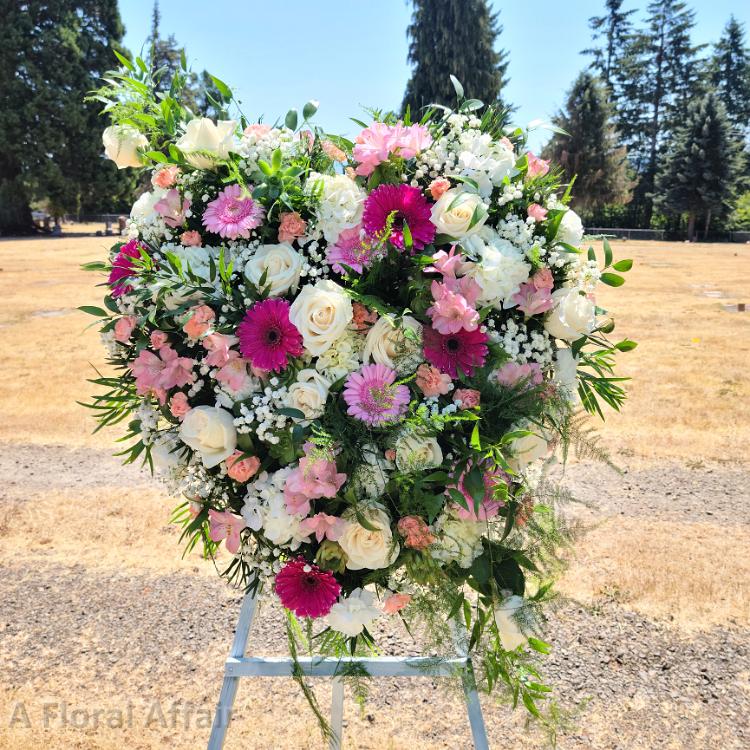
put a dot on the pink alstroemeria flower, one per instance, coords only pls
(323, 526)
(172, 209)
(226, 525)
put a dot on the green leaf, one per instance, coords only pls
(457, 86)
(607, 253)
(183, 59)
(276, 160)
(288, 411)
(310, 109)
(471, 104)
(221, 87)
(540, 646)
(474, 485)
(626, 345)
(612, 279)
(408, 241)
(157, 156)
(475, 442)
(95, 311)
(623, 265)
(433, 504)
(124, 60)
(481, 569)
(291, 119)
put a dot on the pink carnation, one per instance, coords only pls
(395, 603)
(234, 374)
(158, 339)
(432, 382)
(416, 532)
(200, 321)
(191, 238)
(332, 151)
(242, 470)
(439, 186)
(542, 279)
(292, 226)
(362, 318)
(166, 176)
(258, 130)
(233, 213)
(178, 405)
(468, 397)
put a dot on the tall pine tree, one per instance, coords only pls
(52, 53)
(614, 29)
(662, 71)
(454, 37)
(591, 153)
(729, 71)
(701, 167)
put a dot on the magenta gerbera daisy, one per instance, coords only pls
(267, 337)
(372, 396)
(305, 589)
(123, 267)
(455, 352)
(233, 213)
(410, 207)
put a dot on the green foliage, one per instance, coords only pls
(51, 54)
(591, 153)
(702, 165)
(454, 40)
(729, 71)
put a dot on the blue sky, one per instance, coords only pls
(352, 53)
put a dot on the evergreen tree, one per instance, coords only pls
(663, 74)
(454, 37)
(591, 153)
(702, 166)
(614, 29)
(729, 71)
(52, 53)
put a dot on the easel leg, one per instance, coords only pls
(229, 687)
(474, 709)
(337, 713)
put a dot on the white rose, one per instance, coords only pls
(340, 203)
(414, 453)
(321, 313)
(365, 548)
(511, 636)
(571, 229)
(454, 212)
(209, 431)
(121, 144)
(566, 372)
(352, 614)
(458, 540)
(205, 142)
(282, 265)
(527, 449)
(308, 393)
(385, 342)
(572, 316)
(500, 269)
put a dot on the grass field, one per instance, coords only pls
(76, 531)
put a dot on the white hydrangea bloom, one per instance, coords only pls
(458, 540)
(340, 203)
(351, 615)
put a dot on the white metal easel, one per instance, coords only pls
(238, 665)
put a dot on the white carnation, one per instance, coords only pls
(340, 203)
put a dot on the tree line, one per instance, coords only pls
(657, 125)
(53, 53)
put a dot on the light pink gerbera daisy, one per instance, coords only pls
(349, 252)
(409, 206)
(233, 213)
(267, 337)
(305, 589)
(372, 396)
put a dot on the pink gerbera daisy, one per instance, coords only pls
(305, 589)
(123, 267)
(453, 352)
(233, 213)
(349, 252)
(410, 207)
(372, 396)
(267, 337)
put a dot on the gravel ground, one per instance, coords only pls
(99, 636)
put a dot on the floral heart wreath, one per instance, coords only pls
(351, 359)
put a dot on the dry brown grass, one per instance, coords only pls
(694, 575)
(690, 394)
